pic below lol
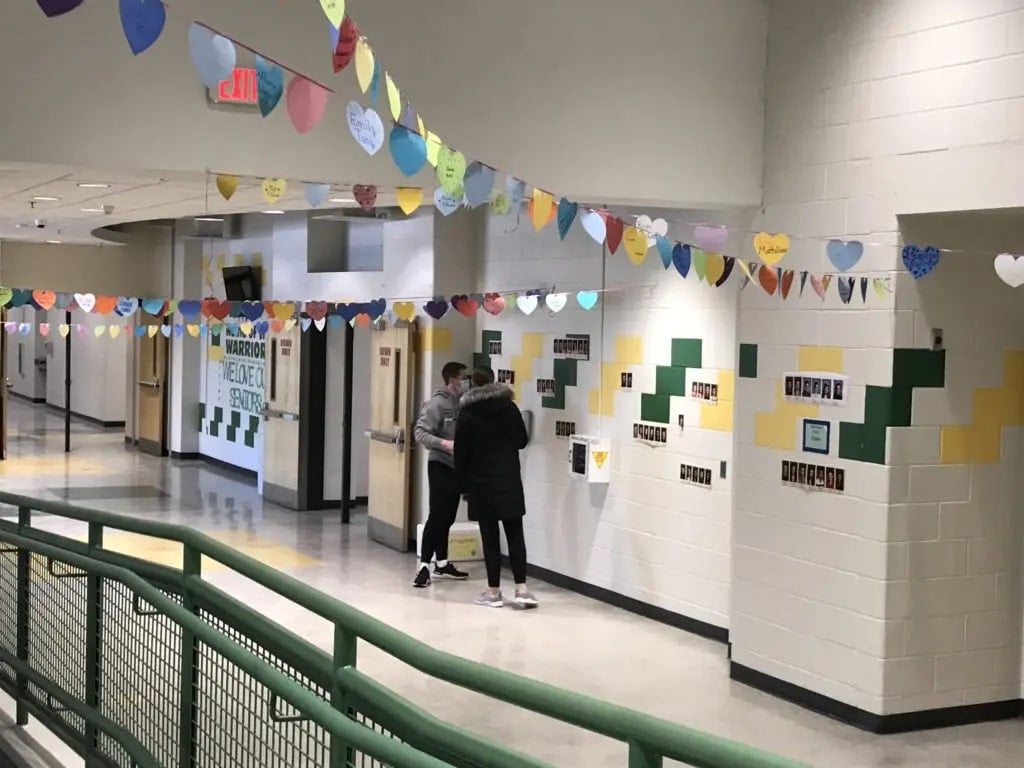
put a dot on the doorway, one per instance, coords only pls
(151, 356)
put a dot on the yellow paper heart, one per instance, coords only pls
(635, 243)
(193, 330)
(115, 331)
(64, 329)
(245, 328)
(227, 185)
(335, 10)
(152, 330)
(434, 145)
(394, 97)
(881, 286)
(771, 249)
(420, 126)
(289, 325)
(409, 199)
(542, 205)
(99, 330)
(404, 310)
(364, 64)
(714, 267)
(274, 189)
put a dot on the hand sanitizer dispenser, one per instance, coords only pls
(590, 458)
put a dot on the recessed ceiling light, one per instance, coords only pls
(209, 218)
(92, 210)
(341, 200)
(93, 185)
(46, 199)
(274, 213)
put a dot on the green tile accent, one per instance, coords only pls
(687, 353)
(202, 410)
(656, 408)
(555, 401)
(486, 337)
(874, 443)
(214, 428)
(481, 360)
(250, 439)
(236, 419)
(918, 368)
(748, 361)
(670, 381)
(851, 441)
(232, 434)
(565, 372)
(888, 406)
(218, 414)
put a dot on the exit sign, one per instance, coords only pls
(239, 89)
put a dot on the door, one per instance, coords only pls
(282, 408)
(392, 367)
(4, 385)
(151, 352)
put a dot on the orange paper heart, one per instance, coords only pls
(45, 299)
(787, 282)
(769, 279)
(546, 202)
(277, 325)
(105, 305)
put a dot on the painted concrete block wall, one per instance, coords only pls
(875, 110)
(646, 535)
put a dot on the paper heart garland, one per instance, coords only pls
(478, 183)
(142, 22)
(10, 327)
(527, 304)
(394, 96)
(494, 303)
(556, 301)
(213, 56)
(635, 243)
(227, 185)
(274, 189)
(365, 195)
(653, 229)
(465, 305)
(85, 301)
(44, 299)
(594, 225)
(306, 323)
(445, 203)
(920, 261)
(269, 85)
(710, 237)
(819, 286)
(408, 150)
(566, 216)
(345, 47)
(501, 204)
(99, 330)
(409, 199)
(451, 171)
(366, 127)
(44, 329)
(587, 299)
(64, 329)
(20, 297)
(844, 255)
(541, 209)
(436, 309)
(771, 248)
(1010, 269)
(682, 257)
(769, 278)
(57, 7)
(127, 306)
(665, 251)
(613, 233)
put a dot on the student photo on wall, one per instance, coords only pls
(840, 479)
(714, 392)
(693, 389)
(789, 386)
(806, 387)
(629, 381)
(801, 474)
(681, 421)
(815, 387)
(830, 478)
(636, 431)
(682, 472)
(700, 391)
(707, 477)
(622, 378)
(837, 390)
(821, 477)
(826, 389)
(663, 434)
(785, 471)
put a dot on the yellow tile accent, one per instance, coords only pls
(726, 386)
(215, 353)
(533, 345)
(629, 349)
(778, 429)
(992, 409)
(1014, 370)
(602, 401)
(820, 359)
(433, 339)
(996, 406)
(717, 417)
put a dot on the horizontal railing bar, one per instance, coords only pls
(389, 709)
(362, 738)
(671, 740)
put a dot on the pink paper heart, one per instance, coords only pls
(494, 303)
(307, 103)
(819, 286)
(710, 237)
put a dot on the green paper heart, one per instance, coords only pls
(700, 262)
(6, 294)
(451, 171)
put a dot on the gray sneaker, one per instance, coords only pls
(490, 599)
(525, 600)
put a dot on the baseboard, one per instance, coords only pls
(361, 501)
(26, 398)
(191, 456)
(231, 468)
(89, 419)
(873, 723)
(358, 501)
(648, 611)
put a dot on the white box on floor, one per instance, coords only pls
(463, 542)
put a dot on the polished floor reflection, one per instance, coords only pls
(571, 642)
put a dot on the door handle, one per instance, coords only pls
(270, 413)
(395, 438)
(150, 384)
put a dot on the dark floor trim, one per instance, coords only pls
(868, 721)
(88, 419)
(648, 611)
(191, 456)
(230, 468)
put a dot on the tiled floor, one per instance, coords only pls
(572, 642)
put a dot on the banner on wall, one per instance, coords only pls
(233, 402)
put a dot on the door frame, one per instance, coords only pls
(146, 446)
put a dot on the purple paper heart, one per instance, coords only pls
(56, 7)
(710, 237)
(348, 311)
(252, 310)
(189, 308)
(681, 258)
(920, 261)
(376, 308)
(436, 309)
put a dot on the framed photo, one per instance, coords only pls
(817, 436)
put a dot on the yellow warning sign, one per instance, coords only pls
(600, 457)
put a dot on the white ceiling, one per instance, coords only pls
(135, 196)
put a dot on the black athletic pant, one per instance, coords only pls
(444, 506)
(491, 539)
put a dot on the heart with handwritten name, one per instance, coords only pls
(44, 299)
(920, 261)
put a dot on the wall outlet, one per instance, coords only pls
(936, 340)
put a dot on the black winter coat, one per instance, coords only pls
(489, 435)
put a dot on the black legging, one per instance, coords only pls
(491, 539)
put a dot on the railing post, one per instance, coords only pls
(342, 754)
(642, 757)
(24, 592)
(93, 637)
(189, 662)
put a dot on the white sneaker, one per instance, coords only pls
(490, 599)
(525, 600)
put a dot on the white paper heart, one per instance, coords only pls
(652, 228)
(366, 127)
(1010, 269)
(556, 301)
(527, 304)
(85, 301)
(593, 224)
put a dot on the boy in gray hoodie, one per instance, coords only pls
(435, 431)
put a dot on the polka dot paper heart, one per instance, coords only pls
(920, 262)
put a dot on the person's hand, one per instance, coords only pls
(448, 445)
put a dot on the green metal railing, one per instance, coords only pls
(134, 663)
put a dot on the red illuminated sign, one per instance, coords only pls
(240, 88)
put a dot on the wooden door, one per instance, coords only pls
(392, 366)
(282, 409)
(151, 354)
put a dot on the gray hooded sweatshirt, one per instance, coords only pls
(436, 422)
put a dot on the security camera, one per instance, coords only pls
(40, 223)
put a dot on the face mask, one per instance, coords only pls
(463, 386)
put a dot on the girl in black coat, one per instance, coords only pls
(489, 435)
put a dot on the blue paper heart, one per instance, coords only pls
(64, 300)
(127, 306)
(140, 331)
(189, 308)
(347, 311)
(166, 330)
(204, 329)
(587, 299)
(516, 189)
(252, 310)
(436, 309)
(19, 298)
(143, 21)
(262, 327)
(213, 56)
(269, 85)
(366, 127)
(377, 308)
(845, 285)
(316, 194)
(179, 329)
(920, 261)
(664, 250)
(25, 329)
(335, 33)
(445, 203)
(154, 306)
(335, 321)
(56, 7)
(844, 255)
(681, 258)
(306, 322)
(408, 150)
(566, 216)
(478, 183)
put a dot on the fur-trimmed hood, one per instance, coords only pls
(486, 392)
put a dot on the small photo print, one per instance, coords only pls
(806, 387)
(837, 390)
(830, 478)
(841, 480)
(714, 392)
(801, 474)
(636, 431)
(707, 477)
(820, 477)
(629, 381)
(682, 471)
(682, 421)
(815, 387)
(701, 391)
(689, 473)
(693, 389)
(785, 471)
(663, 434)
(826, 389)
(789, 386)
(623, 379)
